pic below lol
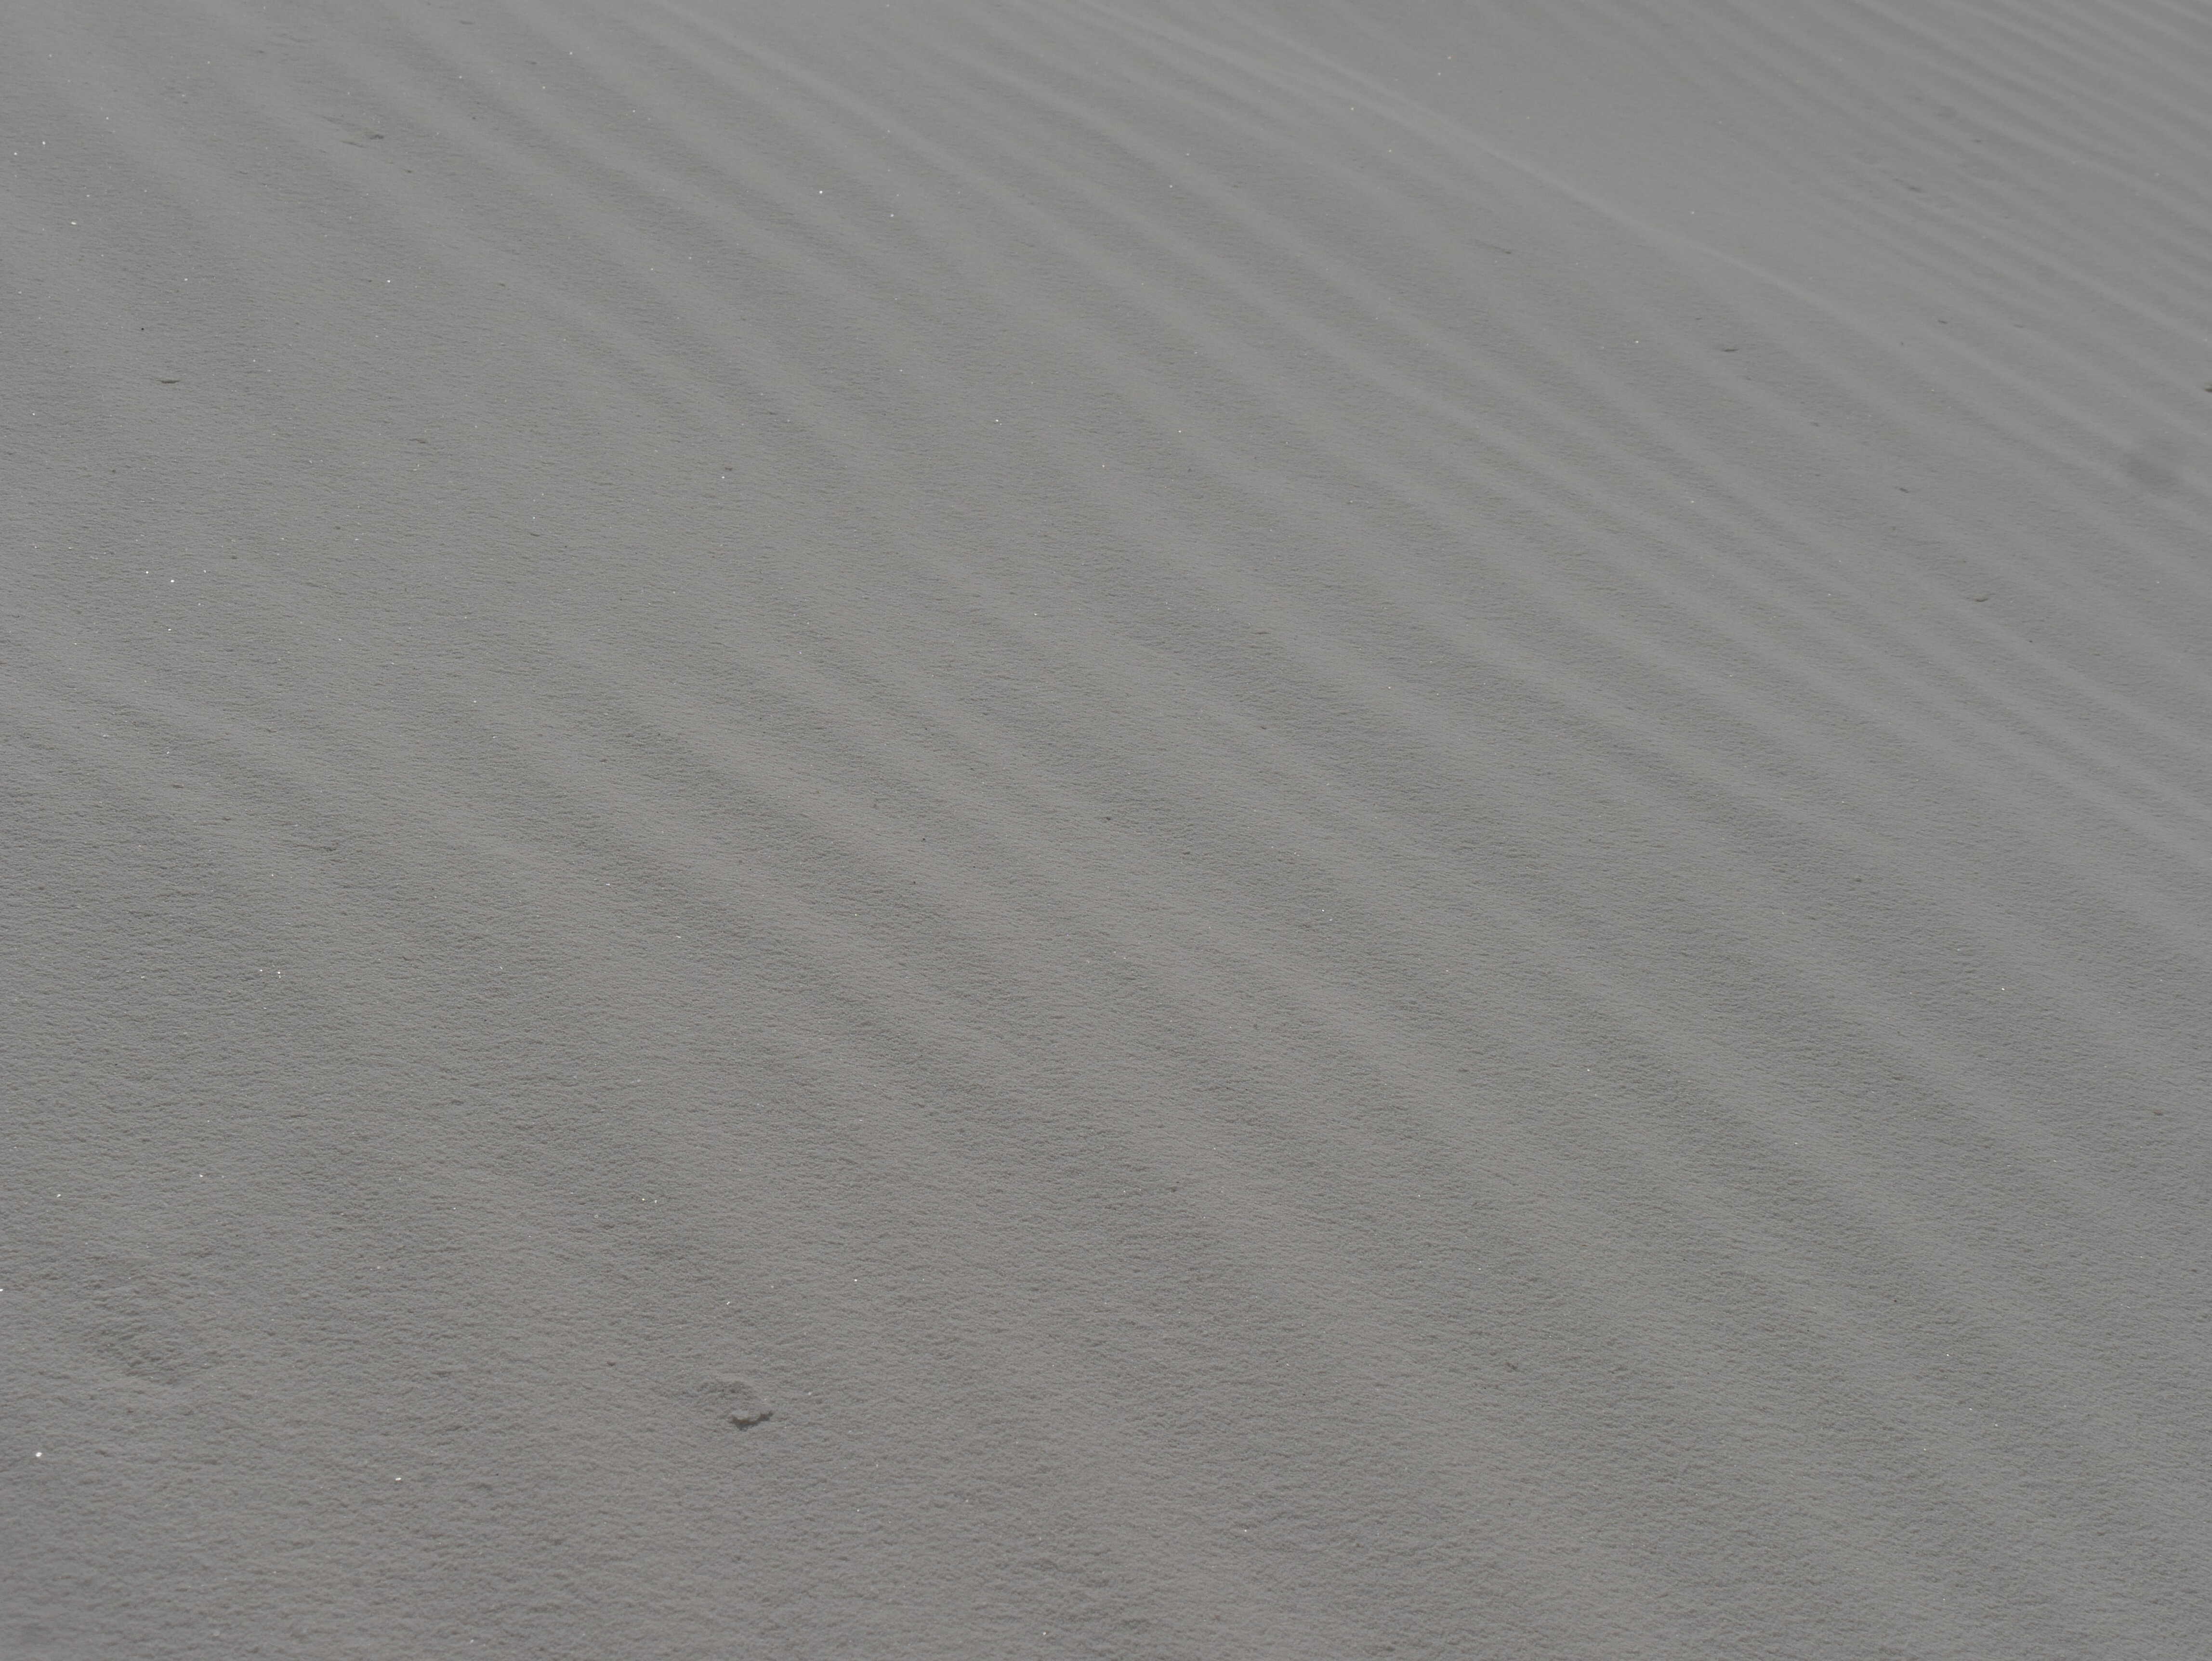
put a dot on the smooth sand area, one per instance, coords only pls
(1017, 829)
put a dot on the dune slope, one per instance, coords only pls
(1008, 828)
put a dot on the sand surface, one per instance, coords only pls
(1020, 828)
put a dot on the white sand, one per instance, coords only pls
(1351, 830)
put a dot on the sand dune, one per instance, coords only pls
(1319, 830)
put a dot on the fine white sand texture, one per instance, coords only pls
(1106, 828)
